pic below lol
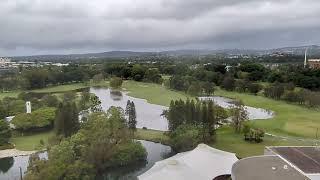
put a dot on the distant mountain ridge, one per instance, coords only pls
(313, 50)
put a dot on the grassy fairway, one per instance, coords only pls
(292, 120)
(153, 93)
(289, 120)
(61, 88)
(9, 94)
(69, 87)
(31, 142)
(229, 141)
(152, 135)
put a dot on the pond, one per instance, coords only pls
(10, 167)
(148, 115)
(253, 113)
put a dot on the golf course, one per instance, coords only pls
(290, 120)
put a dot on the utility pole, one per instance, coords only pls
(20, 173)
(305, 58)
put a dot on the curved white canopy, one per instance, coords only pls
(202, 163)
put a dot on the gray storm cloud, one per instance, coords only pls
(73, 26)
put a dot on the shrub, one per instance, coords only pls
(116, 82)
(228, 83)
(254, 88)
(253, 135)
(185, 137)
(128, 153)
(5, 132)
(41, 118)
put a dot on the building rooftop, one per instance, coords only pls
(314, 60)
(307, 159)
(202, 163)
(265, 168)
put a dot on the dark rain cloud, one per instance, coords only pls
(75, 26)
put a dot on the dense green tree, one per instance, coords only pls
(254, 88)
(116, 82)
(228, 83)
(97, 78)
(40, 118)
(67, 119)
(208, 88)
(95, 104)
(211, 118)
(153, 75)
(194, 89)
(5, 132)
(239, 115)
(185, 138)
(274, 91)
(36, 78)
(51, 100)
(138, 72)
(132, 117)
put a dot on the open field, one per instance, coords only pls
(290, 119)
(31, 142)
(9, 94)
(68, 87)
(152, 135)
(153, 93)
(229, 141)
(55, 89)
(61, 88)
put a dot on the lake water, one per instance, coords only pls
(148, 115)
(253, 113)
(9, 167)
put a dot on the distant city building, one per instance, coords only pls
(60, 64)
(228, 68)
(314, 63)
(280, 163)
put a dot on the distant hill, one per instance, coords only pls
(110, 54)
(313, 50)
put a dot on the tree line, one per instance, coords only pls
(197, 119)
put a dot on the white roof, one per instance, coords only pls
(202, 163)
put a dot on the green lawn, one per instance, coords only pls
(289, 120)
(9, 94)
(31, 142)
(61, 88)
(153, 93)
(152, 135)
(229, 141)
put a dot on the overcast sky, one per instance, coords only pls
(78, 26)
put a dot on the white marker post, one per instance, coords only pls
(28, 107)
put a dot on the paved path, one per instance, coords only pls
(14, 153)
(315, 141)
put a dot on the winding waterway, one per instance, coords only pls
(148, 115)
(10, 167)
(253, 113)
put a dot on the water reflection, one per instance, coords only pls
(116, 95)
(9, 167)
(148, 115)
(6, 164)
(156, 152)
(253, 113)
